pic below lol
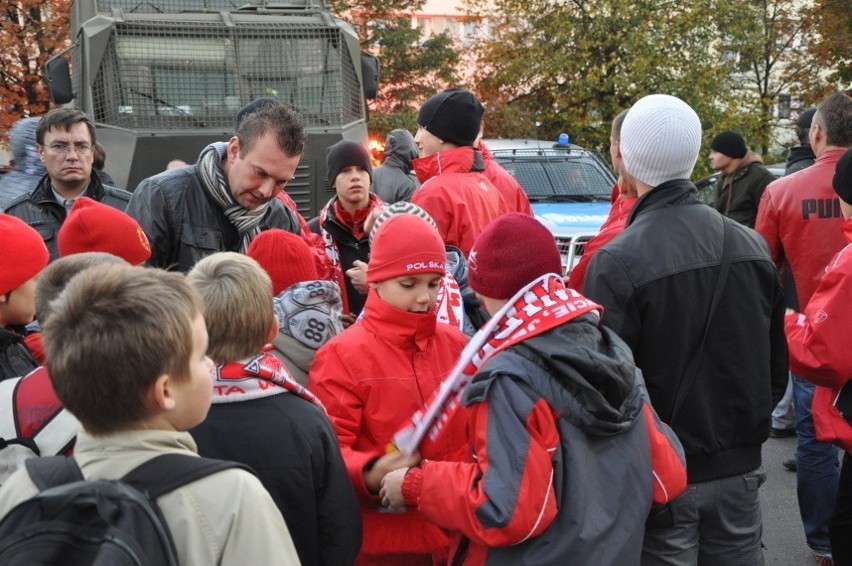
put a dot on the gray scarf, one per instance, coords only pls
(247, 222)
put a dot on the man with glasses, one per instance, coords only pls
(65, 138)
(228, 196)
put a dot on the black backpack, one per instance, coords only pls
(102, 522)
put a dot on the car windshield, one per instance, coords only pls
(556, 176)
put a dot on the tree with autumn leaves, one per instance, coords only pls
(547, 66)
(572, 65)
(412, 67)
(30, 32)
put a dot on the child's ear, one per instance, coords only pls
(273, 330)
(161, 395)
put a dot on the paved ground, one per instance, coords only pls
(782, 528)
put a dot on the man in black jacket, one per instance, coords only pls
(715, 363)
(228, 197)
(65, 141)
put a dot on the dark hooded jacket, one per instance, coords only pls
(29, 168)
(738, 194)
(799, 157)
(40, 210)
(563, 473)
(394, 180)
(16, 360)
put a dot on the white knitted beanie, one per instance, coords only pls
(660, 139)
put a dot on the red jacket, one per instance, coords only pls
(371, 379)
(514, 197)
(818, 342)
(799, 216)
(612, 227)
(461, 201)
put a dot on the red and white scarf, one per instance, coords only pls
(331, 248)
(261, 376)
(449, 305)
(540, 306)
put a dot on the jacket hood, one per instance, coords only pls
(802, 152)
(400, 150)
(23, 143)
(300, 304)
(595, 384)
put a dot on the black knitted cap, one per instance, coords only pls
(343, 154)
(843, 177)
(453, 115)
(731, 144)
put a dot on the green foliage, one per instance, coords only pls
(572, 65)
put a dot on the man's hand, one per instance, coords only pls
(384, 465)
(391, 492)
(358, 276)
(348, 319)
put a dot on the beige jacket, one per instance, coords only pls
(225, 518)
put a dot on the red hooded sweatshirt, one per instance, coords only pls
(371, 379)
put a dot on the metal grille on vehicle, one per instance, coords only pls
(198, 73)
(571, 248)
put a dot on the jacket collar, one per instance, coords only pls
(397, 326)
(847, 229)
(677, 192)
(462, 159)
(44, 191)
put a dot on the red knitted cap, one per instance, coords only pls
(22, 253)
(95, 227)
(405, 245)
(285, 257)
(512, 251)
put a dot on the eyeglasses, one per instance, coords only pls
(64, 148)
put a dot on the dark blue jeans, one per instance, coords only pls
(817, 471)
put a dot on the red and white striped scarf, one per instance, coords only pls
(540, 306)
(260, 376)
(331, 248)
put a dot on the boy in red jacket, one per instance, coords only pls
(568, 455)
(377, 373)
(818, 342)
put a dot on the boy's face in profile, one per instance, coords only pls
(411, 293)
(19, 308)
(194, 393)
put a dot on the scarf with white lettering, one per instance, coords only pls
(540, 306)
(246, 221)
(331, 248)
(261, 376)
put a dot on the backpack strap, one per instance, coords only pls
(57, 434)
(8, 409)
(163, 474)
(52, 471)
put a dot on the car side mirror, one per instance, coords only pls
(59, 80)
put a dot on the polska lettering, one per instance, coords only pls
(437, 265)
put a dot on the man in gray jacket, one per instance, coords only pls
(394, 180)
(65, 141)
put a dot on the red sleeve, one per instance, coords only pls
(490, 502)
(611, 227)
(818, 339)
(667, 458)
(767, 224)
(333, 383)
